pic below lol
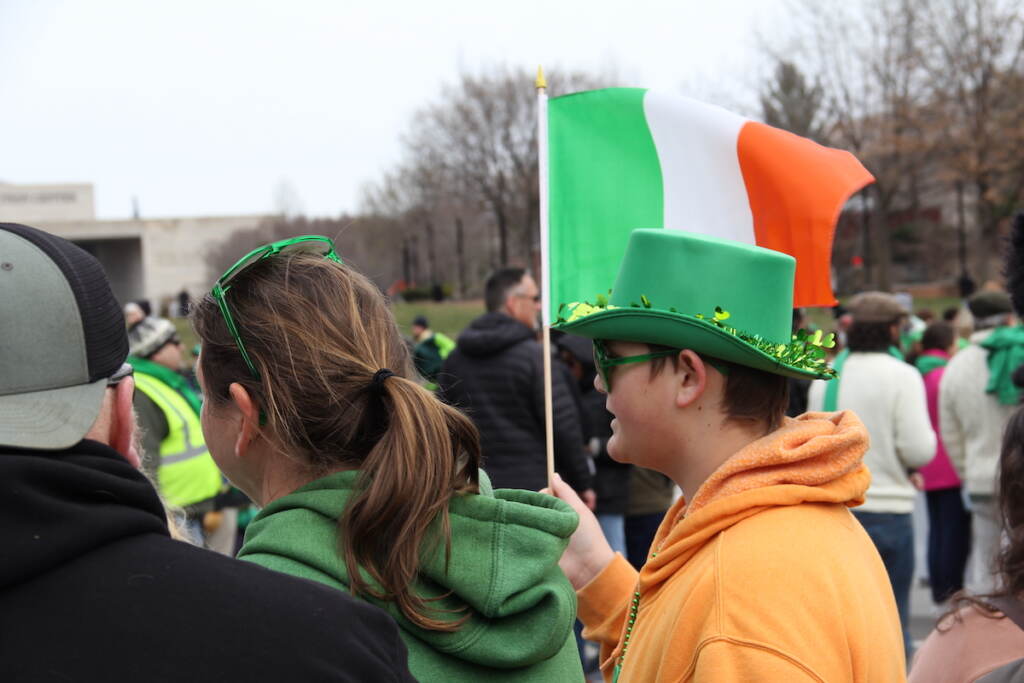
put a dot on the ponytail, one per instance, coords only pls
(427, 452)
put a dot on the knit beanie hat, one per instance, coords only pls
(149, 336)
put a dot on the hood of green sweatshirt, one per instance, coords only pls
(503, 570)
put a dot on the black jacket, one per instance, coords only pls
(93, 589)
(611, 480)
(496, 375)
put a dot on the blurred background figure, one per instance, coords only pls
(133, 314)
(496, 375)
(889, 397)
(430, 350)
(949, 522)
(611, 478)
(174, 452)
(976, 399)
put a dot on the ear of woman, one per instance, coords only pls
(248, 418)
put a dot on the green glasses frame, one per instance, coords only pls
(606, 363)
(317, 244)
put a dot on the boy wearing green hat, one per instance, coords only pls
(759, 572)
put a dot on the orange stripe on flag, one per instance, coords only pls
(796, 190)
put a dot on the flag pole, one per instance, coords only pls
(545, 267)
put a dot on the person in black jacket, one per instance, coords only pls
(611, 478)
(92, 586)
(496, 375)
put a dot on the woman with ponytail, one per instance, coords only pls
(369, 483)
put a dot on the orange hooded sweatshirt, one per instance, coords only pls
(764, 576)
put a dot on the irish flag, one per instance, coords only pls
(626, 158)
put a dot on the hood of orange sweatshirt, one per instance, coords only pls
(815, 458)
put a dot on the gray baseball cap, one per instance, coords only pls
(62, 336)
(876, 307)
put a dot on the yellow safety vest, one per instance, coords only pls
(187, 473)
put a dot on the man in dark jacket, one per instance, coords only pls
(92, 587)
(496, 374)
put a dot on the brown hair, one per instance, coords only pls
(938, 335)
(750, 395)
(1009, 559)
(870, 337)
(318, 331)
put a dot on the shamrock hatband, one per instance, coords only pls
(721, 298)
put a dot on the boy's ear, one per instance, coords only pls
(693, 377)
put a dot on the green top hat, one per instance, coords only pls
(725, 299)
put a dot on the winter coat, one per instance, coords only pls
(888, 396)
(496, 375)
(92, 588)
(972, 421)
(765, 576)
(611, 478)
(502, 575)
(939, 473)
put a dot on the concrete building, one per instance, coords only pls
(152, 258)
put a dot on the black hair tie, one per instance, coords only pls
(379, 377)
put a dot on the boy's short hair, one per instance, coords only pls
(750, 395)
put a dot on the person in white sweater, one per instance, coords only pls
(972, 421)
(888, 396)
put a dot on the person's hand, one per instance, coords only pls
(917, 480)
(589, 499)
(588, 551)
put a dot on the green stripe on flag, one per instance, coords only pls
(604, 182)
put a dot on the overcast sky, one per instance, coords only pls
(207, 107)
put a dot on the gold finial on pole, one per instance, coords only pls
(542, 84)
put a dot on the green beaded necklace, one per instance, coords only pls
(634, 607)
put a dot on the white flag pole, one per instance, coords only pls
(545, 267)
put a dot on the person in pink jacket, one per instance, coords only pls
(949, 522)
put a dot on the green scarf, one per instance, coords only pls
(174, 380)
(1005, 348)
(926, 363)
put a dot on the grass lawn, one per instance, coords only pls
(449, 317)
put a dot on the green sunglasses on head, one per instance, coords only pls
(313, 244)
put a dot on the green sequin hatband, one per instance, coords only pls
(805, 350)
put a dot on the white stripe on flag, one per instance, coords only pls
(703, 184)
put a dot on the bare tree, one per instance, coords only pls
(974, 57)
(791, 103)
(865, 58)
(480, 139)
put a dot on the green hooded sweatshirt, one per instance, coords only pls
(503, 573)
